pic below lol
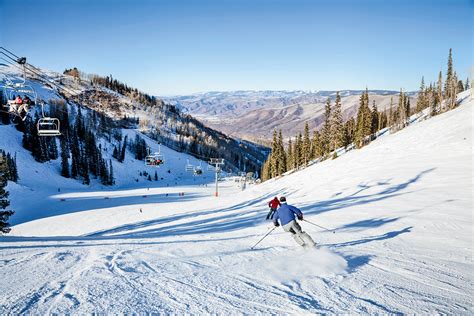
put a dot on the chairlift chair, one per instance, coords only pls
(189, 167)
(154, 160)
(11, 91)
(198, 171)
(48, 126)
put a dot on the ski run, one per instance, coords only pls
(401, 208)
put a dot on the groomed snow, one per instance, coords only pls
(401, 207)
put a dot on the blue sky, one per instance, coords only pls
(180, 47)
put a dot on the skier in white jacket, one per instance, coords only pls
(286, 214)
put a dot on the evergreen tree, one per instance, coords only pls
(289, 156)
(4, 116)
(450, 85)
(390, 120)
(382, 120)
(421, 101)
(401, 120)
(460, 86)
(374, 126)
(349, 132)
(4, 203)
(449, 75)
(439, 102)
(111, 173)
(364, 121)
(316, 148)
(299, 156)
(406, 103)
(306, 151)
(326, 131)
(265, 171)
(52, 148)
(337, 125)
(64, 158)
(84, 168)
(75, 155)
(368, 115)
(273, 154)
(124, 147)
(115, 152)
(156, 176)
(281, 156)
(466, 85)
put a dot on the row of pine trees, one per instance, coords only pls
(5, 175)
(358, 132)
(11, 170)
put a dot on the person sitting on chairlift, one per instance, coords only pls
(26, 104)
(15, 104)
(18, 100)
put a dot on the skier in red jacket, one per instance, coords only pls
(273, 205)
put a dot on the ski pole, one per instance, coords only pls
(333, 230)
(263, 238)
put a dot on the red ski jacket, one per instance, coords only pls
(274, 203)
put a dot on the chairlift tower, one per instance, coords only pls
(217, 162)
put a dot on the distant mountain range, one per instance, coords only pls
(253, 115)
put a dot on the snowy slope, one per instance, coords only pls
(402, 207)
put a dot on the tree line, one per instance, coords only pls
(5, 175)
(361, 130)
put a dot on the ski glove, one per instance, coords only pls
(276, 224)
(300, 217)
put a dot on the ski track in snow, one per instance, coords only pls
(402, 210)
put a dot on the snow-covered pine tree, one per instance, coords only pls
(439, 106)
(289, 155)
(421, 101)
(382, 120)
(466, 85)
(374, 126)
(273, 154)
(300, 156)
(450, 85)
(306, 145)
(115, 152)
(111, 173)
(316, 150)
(449, 74)
(84, 169)
(349, 132)
(265, 171)
(337, 124)
(406, 105)
(390, 120)
(4, 203)
(368, 116)
(401, 119)
(363, 121)
(64, 158)
(281, 155)
(326, 131)
(4, 116)
(124, 147)
(460, 86)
